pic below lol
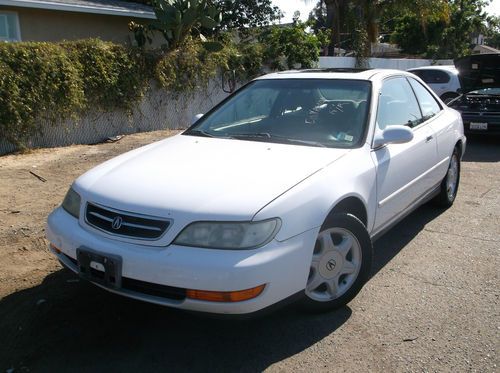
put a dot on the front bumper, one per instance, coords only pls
(282, 266)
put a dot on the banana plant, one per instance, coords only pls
(176, 19)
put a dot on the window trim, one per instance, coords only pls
(17, 26)
(420, 106)
(431, 92)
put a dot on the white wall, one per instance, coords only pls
(380, 63)
(159, 109)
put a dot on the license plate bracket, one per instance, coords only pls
(478, 126)
(101, 268)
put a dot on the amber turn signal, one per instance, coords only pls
(225, 296)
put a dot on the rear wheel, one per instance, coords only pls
(449, 185)
(340, 264)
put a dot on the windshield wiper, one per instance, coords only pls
(256, 135)
(201, 133)
(267, 136)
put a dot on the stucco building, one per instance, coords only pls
(56, 20)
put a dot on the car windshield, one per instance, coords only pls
(310, 112)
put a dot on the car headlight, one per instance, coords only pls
(229, 235)
(72, 202)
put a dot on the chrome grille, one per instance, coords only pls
(124, 223)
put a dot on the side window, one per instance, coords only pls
(9, 27)
(439, 77)
(432, 76)
(397, 105)
(428, 104)
(422, 74)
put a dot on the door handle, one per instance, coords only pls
(428, 138)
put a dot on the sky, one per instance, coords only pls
(290, 6)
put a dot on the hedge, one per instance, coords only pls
(49, 82)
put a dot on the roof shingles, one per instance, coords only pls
(114, 7)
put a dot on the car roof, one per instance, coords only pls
(450, 68)
(342, 73)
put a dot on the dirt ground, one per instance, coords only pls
(432, 303)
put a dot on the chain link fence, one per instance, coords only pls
(158, 110)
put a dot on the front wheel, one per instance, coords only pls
(340, 265)
(449, 185)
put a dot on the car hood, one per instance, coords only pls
(207, 178)
(478, 71)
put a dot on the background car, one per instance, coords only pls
(442, 79)
(480, 102)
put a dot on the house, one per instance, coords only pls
(482, 49)
(56, 20)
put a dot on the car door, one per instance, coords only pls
(402, 169)
(442, 125)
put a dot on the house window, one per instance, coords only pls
(9, 27)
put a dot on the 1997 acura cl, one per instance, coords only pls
(274, 194)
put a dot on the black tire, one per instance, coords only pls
(445, 198)
(447, 97)
(350, 225)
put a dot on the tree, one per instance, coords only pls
(467, 16)
(244, 14)
(493, 32)
(408, 34)
(287, 47)
(332, 15)
(439, 31)
(357, 22)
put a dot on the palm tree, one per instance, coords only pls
(335, 12)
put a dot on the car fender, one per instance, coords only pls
(306, 205)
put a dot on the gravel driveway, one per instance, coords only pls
(432, 303)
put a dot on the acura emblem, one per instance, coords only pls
(117, 222)
(331, 264)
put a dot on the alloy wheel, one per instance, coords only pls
(335, 264)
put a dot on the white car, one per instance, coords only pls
(443, 80)
(274, 195)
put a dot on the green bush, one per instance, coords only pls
(189, 67)
(37, 81)
(112, 75)
(47, 82)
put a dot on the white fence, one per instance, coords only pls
(158, 110)
(380, 63)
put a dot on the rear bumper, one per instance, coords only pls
(492, 123)
(282, 266)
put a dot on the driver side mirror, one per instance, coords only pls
(393, 135)
(196, 118)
